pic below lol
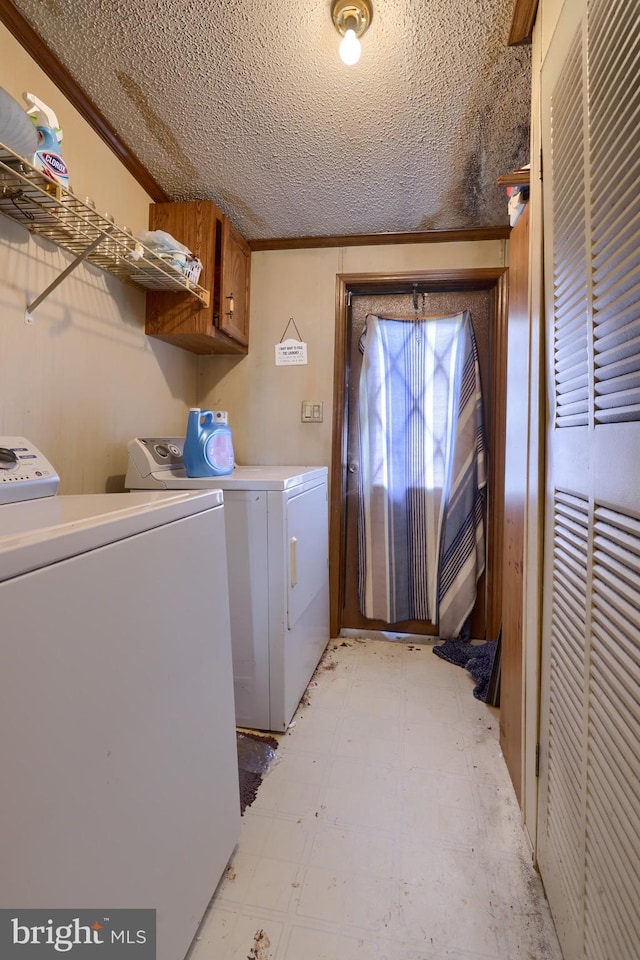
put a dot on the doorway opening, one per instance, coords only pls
(449, 291)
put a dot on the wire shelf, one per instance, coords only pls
(45, 207)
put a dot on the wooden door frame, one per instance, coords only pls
(494, 279)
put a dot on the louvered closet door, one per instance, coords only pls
(589, 803)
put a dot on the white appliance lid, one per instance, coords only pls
(36, 533)
(270, 477)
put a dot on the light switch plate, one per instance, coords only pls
(312, 411)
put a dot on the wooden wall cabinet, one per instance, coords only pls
(223, 325)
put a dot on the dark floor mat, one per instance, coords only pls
(476, 658)
(256, 754)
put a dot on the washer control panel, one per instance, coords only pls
(25, 473)
(165, 450)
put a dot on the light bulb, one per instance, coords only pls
(350, 48)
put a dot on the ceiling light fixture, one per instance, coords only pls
(351, 18)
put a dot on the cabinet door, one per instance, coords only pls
(234, 303)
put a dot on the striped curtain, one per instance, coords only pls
(422, 471)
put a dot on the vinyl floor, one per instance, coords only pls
(387, 829)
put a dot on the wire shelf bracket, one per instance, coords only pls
(28, 315)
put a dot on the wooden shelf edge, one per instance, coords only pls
(522, 21)
(519, 178)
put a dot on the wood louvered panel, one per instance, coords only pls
(565, 823)
(614, 118)
(569, 244)
(612, 877)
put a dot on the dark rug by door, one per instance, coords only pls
(476, 658)
(256, 754)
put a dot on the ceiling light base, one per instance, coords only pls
(354, 14)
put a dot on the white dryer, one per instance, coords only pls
(276, 521)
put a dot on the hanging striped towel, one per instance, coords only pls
(462, 552)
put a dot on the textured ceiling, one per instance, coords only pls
(246, 102)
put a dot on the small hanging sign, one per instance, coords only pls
(290, 352)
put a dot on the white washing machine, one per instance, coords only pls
(117, 730)
(278, 560)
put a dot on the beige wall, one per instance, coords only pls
(264, 400)
(82, 379)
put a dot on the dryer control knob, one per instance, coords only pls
(8, 458)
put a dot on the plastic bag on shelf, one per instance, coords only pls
(173, 252)
(162, 242)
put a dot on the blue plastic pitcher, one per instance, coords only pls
(208, 445)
